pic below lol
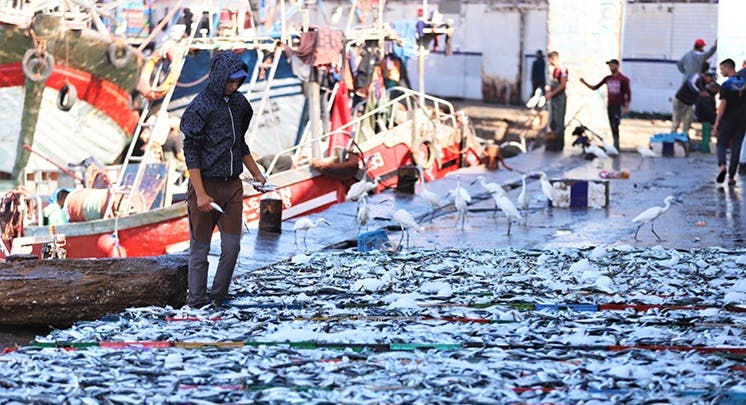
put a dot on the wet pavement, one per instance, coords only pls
(710, 214)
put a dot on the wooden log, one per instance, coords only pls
(60, 292)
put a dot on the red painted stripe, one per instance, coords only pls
(701, 349)
(102, 94)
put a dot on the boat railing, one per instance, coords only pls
(414, 102)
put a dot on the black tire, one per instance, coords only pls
(67, 97)
(118, 54)
(37, 68)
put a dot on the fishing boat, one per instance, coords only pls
(135, 215)
(65, 85)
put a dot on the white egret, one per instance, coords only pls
(507, 206)
(546, 186)
(304, 224)
(646, 152)
(596, 151)
(432, 199)
(523, 198)
(361, 187)
(462, 198)
(492, 188)
(406, 220)
(363, 213)
(610, 149)
(651, 214)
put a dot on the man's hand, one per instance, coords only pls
(260, 178)
(203, 202)
(547, 92)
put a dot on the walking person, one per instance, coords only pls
(619, 96)
(555, 91)
(730, 121)
(693, 60)
(685, 98)
(215, 150)
(538, 73)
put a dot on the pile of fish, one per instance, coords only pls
(603, 325)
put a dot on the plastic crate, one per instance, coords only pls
(572, 193)
(670, 145)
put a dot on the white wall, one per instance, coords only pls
(731, 43)
(656, 36)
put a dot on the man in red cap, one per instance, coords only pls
(693, 61)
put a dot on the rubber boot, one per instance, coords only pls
(229, 248)
(198, 266)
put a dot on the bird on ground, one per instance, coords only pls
(406, 221)
(304, 224)
(492, 188)
(523, 198)
(610, 149)
(432, 199)
(546, 186)
(645, 153)
(507, 206)
(462, 198)
(363, 213)
(361, 187)
(596, 151)
(653, 213)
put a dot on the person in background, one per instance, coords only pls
(555, 91)
(730, 121)
(693, 60)
(538, 73)
(685, 98)
(619, 96)
(55, 213)
(214, 124)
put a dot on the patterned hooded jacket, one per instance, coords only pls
(214, 128)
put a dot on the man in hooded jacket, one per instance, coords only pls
(214, 125)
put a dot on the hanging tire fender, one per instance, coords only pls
(118, 54)
(427, 148)
(37, 67)
(67, 97)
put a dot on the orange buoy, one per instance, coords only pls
(109, 245)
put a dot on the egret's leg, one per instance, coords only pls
(402, 236)
(510, 223)
(407, 231)
(638, 230)
(305, 245)
(494, 213)
(652, 228)
(296, 238)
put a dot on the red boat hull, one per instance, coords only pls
(166, 229)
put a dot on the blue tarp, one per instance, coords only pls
(670, 137)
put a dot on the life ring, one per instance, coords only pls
(118, 54)
(66, 97)
(159, 91)
(426, 148)
(37, 67)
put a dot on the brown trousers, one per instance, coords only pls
(229, 195)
